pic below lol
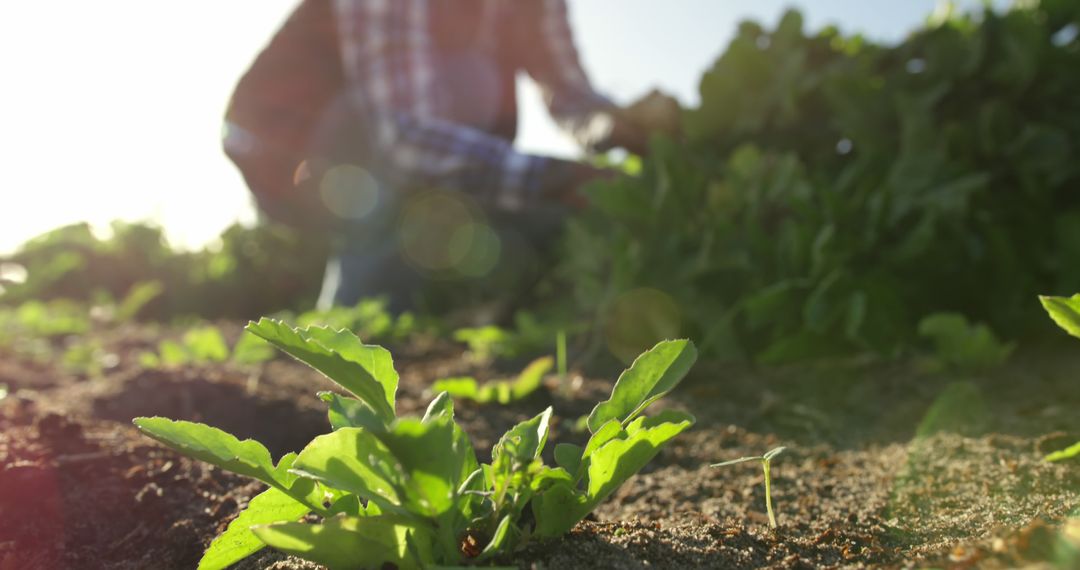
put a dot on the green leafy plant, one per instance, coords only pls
(962, 346)
(1066, 313)
(409, 492)
(206, 345)
(832, 190)
(766, 465)
(498, 391)
(199, 345)
(369, 319)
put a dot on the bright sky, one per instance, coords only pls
(111, 109)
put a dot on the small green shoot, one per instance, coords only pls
(766, 464)
(403, 492)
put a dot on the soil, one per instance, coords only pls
(887, 465)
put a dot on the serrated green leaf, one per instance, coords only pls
(249, 457)
(344, 543)
(1065, 312)
(365, 371)
(238, 542)
(652, 375)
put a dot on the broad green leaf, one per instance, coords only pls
(344, 543)
(238, 542)
(558, 509)
(610, 430)
(561, 506)
(500, 540)
(441, 407)
(357, 461)
(249, 457)
(350, 412)
(530, 379)
(435, 458)
(365, 371)
(652, 375)
(619, 459)
(1065, 312)
(461, 387)
(205, 344)
(251, 349)
(525, 441)
(568, 456)
(1070, 452)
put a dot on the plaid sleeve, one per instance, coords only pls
(387, 53)
(555, 65)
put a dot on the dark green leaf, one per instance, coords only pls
(652, 375)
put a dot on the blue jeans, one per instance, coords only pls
(410, 245)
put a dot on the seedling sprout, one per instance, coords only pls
(766, 461)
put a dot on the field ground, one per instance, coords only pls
(887, 466)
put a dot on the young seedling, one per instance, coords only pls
(409, 492)
(766, 461)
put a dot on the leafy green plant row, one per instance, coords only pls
(498, 391)
(832, 192)
(409, 491)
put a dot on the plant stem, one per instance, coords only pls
(768, 494)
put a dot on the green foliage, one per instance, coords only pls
(1065, 312)
(248, 272)
(485, 343)
(833, 191)
(498, 391)
(530, 334)
(369, 320)
(408, 492)
(766, 467)
(962, 346)
(200, 345)
(206, 345)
